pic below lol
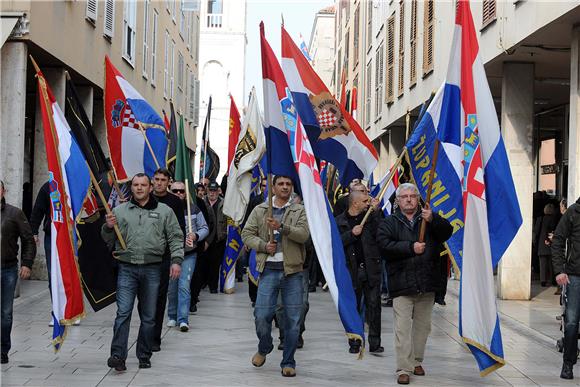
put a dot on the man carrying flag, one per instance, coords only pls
(69, 182)
(471, 185)
(287, 139)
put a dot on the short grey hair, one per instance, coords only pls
(406, 187)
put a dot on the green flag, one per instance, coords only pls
(183, 161)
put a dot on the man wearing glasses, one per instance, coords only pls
(413, 270)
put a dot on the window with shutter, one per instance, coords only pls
(401, 71)
(182, 22)
(413, 45)
(195, 118)
(489, 12)
(92, 6)
(129, 33)
(390, 78)
(428, 36)
(146, 5)
(180, 64)
(109, 20)
(356, 35)
(346, 52)
(154, 47)
(368, 93)
(379, 79)
(166, 66)
(172, 70)
(369, 23)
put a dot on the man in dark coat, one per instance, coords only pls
(364, 264)
(567, 267)
(413, 270)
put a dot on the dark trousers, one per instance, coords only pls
(369, 306)
(252, 290)
(214, 255)
(198, 280)
(572, 316)
(8, 285)
(161, 299)
(141, 281)
(47, 254)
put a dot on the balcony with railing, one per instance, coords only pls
(214, 20)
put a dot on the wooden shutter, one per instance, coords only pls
(401, 72)
(489, 12)
(413, 45)
(92, 9)
(356, 35)
(109, 28)
(390, 79)
(428, 36)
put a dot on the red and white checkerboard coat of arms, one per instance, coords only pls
(329, 114)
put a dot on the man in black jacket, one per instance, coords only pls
(567, 268)
(14, 226)
(364, 264)
(162, 195)
(413, 270)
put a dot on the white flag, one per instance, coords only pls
(249, 150)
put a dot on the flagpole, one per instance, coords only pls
(189, 226)
(387, 182)
(429, 189)
(107, 209)
(149, 145)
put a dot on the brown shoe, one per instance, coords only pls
(288, 372)
(258, 359)
(419, 371)
(403, 379)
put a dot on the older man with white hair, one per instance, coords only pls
(413, 269)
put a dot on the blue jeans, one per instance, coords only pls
(9, 277)
(305, 307)
(141, 281)
(291, 286)
(179, 293)
(572, 316)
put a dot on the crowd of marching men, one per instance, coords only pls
(173, 248)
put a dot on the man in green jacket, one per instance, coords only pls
(147, 228)
(280, 263)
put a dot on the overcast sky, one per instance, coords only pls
(298, 19)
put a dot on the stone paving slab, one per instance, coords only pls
(217, 349)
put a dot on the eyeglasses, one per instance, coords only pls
(178, 190)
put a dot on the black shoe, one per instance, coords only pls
(388, 303)
(253, 304)
(116, 363)
(156, 348)
(281, 346)
(240, 279)
(193, 309)
(144, 363)
(4, 358)
(378, 349)
(213, 291)
(567, 371)
(312, 289)
(300, 344)
(543, 284)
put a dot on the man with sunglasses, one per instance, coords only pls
(179, 293)
(413, 270)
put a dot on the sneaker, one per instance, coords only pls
(116, 363)
(4, 358)
(171, 323)
(193, 309)
(258, 359)
(288, 372)
(183, 327)
(144, 363)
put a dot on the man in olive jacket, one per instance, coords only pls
(567, 268)
(281, 266)
(147, 228)
(413, 270)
